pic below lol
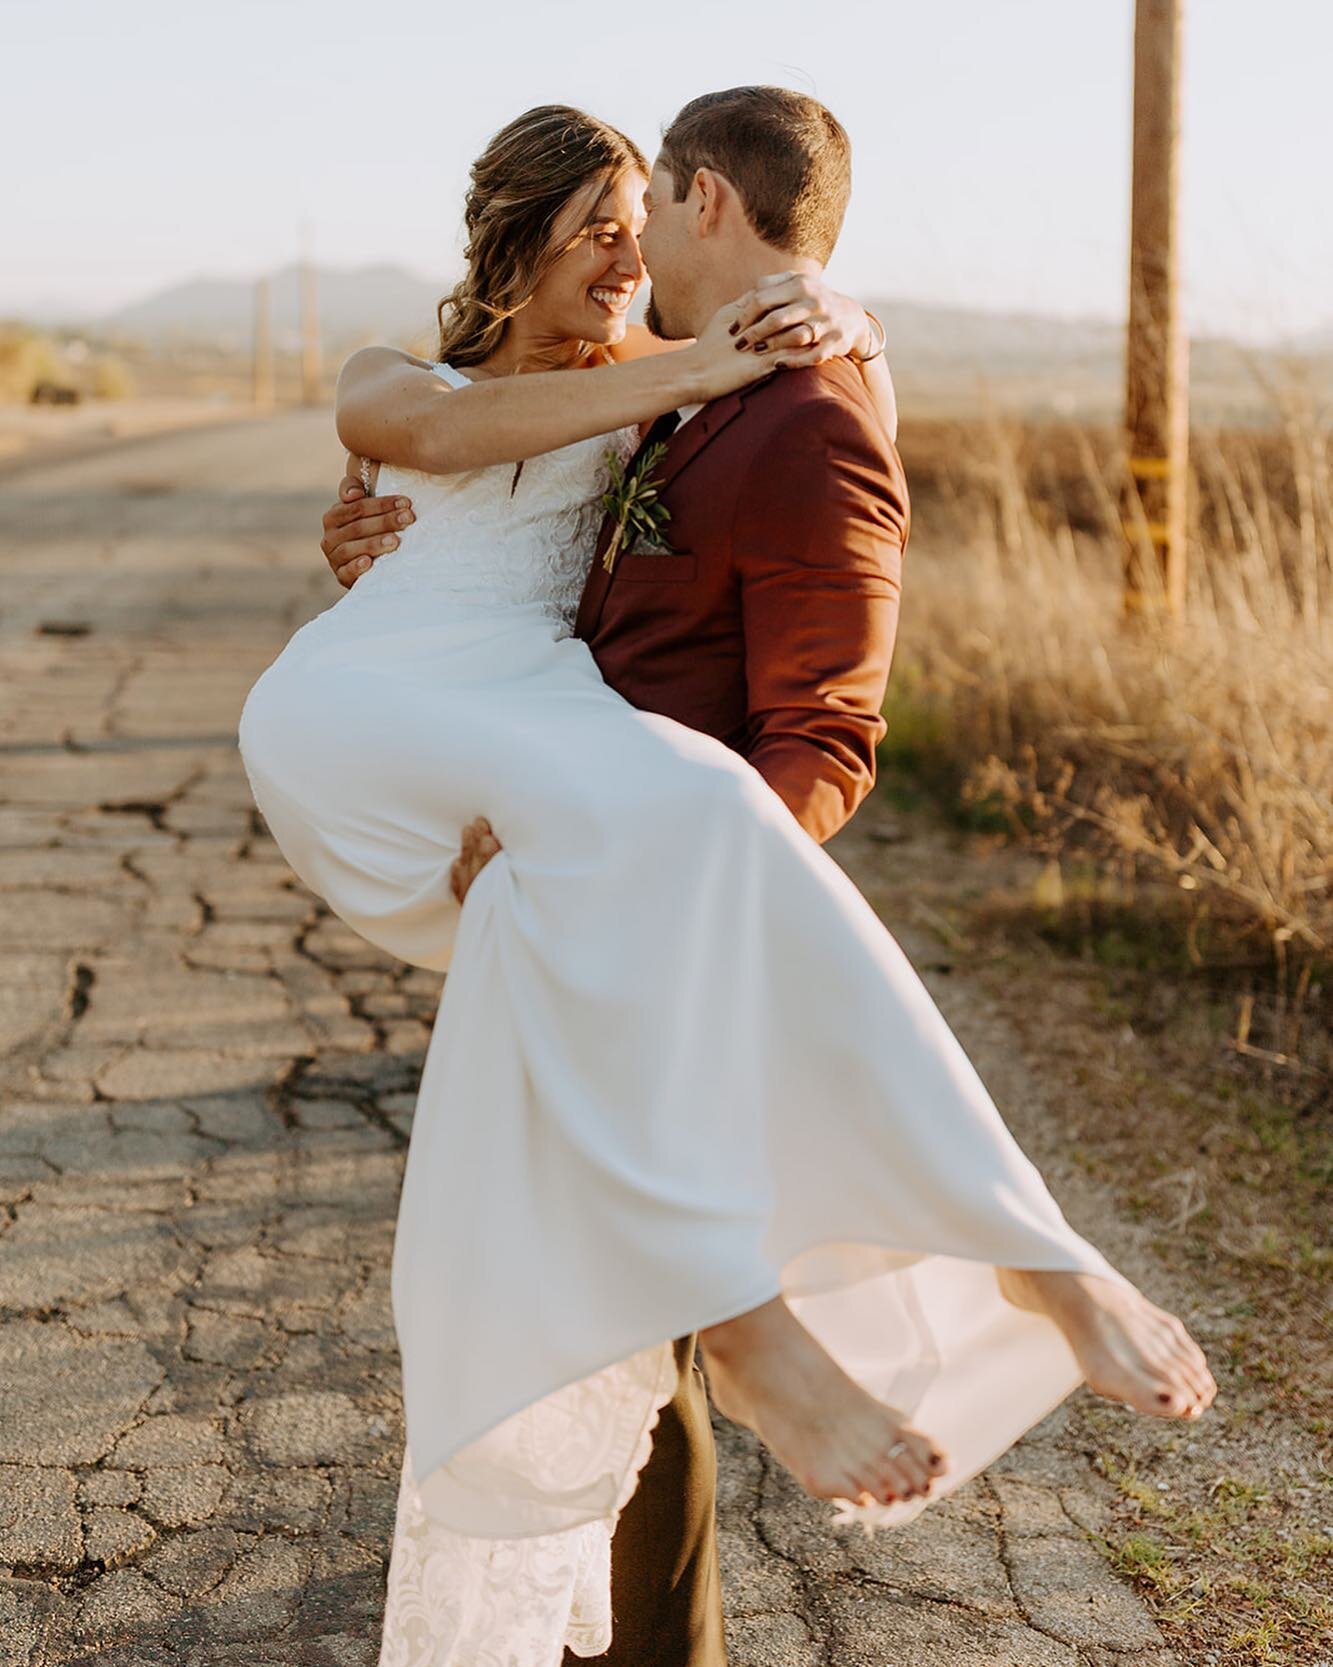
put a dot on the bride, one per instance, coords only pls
(682, 1079)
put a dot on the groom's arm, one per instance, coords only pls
(821, 524)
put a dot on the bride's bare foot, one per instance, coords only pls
(767, 1372)
(1129, 1350)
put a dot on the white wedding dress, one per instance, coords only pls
(679, 1066)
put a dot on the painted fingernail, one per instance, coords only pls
(742, 344)
(761, 347)
(736, 326)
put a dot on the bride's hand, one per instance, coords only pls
(722, 363)
(805, 321)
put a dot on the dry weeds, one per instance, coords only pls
(1197, 751)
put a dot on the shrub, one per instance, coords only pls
(112, 379)
(25, 360)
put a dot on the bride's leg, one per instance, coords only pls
(1129, 1350)
(767, 1372)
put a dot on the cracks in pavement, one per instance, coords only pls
(154, 810)
(812, 1613)
(900, 1592)
(1004, 1554)
(286, 1095)
(55, 1314)
(282, 1094)
(129, 865)
(1005, 1559)
(116, 693)
(80, 991)
(255, 831)
(171, 927)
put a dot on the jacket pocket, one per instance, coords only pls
(676, 566)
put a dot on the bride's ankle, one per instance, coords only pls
(736, 1339)
(1059, 1293)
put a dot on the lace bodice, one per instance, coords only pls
(504, 535)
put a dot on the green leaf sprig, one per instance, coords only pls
(633, 500)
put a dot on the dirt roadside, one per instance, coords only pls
(35, 434)
(1201, 1177)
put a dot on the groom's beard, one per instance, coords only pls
(658, 326)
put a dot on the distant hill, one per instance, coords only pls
(355, 305)
(386, 301)
(973, 336)
(945, 359)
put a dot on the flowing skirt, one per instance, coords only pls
(679, 1067)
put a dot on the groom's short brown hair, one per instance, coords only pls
(789, 158)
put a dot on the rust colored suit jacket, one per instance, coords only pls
(771, 623)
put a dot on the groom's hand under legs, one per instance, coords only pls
(479, 846)
(358, 528)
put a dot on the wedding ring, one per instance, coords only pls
(898, 1447)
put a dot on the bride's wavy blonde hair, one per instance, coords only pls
(520, 184)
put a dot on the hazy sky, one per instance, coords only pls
(150, 140)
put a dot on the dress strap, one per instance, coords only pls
(454, 378)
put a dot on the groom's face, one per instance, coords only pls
(671, 255)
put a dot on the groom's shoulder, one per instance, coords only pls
(814, 443)
(823, 401)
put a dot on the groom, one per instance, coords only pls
(769, 625)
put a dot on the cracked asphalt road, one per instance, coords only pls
(207, 1094)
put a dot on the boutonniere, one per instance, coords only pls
(640, 514)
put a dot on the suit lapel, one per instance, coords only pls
(682, 448)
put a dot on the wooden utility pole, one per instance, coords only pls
(310, 356)
(1157, 356)
(263, 371)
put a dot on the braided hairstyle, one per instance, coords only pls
(520, 184)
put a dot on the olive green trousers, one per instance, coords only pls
(666, 1591)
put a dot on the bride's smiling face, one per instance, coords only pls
(586, 294)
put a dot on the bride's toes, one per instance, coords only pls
(1175, 1402)
(1198, 1380)
(893, 1481)
(1205, 1393)
(904, 1482)
(910, 1467)
(928, 1462)
(1183, 1390)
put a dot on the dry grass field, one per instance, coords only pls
(1196, 751)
